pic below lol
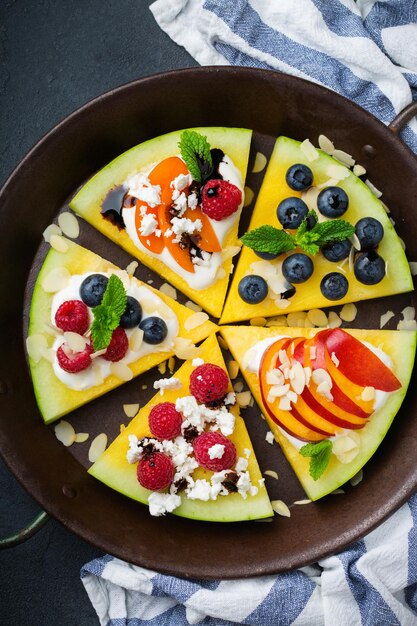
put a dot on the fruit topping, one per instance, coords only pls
(117, 347)
(297, 268)
(154, 330)
(337, 251)
(155, 471)
(214, 451)
(253, 289)
(334, 286)
(369, 268)
(369, 231)
(208, 383)
(165, 421)
(291, 212)
(72, 316)
(74, 362)
(299, 177)
(92, 289)
(132, 315)
(332, 202)
(220, 199)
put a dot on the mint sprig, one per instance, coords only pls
(277, 241)
(107, 314)
(195, 151)
(319, 454)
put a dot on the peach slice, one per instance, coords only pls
(165, 172)
(206, 238)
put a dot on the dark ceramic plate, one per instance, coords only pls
(271, 104)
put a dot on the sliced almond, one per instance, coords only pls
(357, 478)
(348, 312)
(35, 344)
(407, 325)
(238, 387)
(58, 243)
(351, 258)
(284, 404)
(121, 370)
(278, 391)
(55, 280)
(317, 317)
(413, 268)
(296, 319)
(185, 349)
(260, 162)
(136, 340)
(324, 389)
(258, 321)
(309, 150)
(337, 492)
(335, 359)
(171, 363)
(368, 394)
(243, 398)
(298, 381)
(282, 303)
(168, 290)
(385, 318)
(97, 447)
(48, 354)
(132, 267)
(81, 437)
(372, 187)
(195, 320)
(326, 145)
(52, 229)
(359, 170)
(280, 508)
(131, 409)
(271, 473)
(330, 182)
(222, 342)
(334, 320)
(344, 157)
(346, 447)
(233, 369)
(193, 306)
(279, 320)
(229, 252)
(75, 341)
(355, 241)
(409, 313)
(338, 172)
(248, 196)
(310, 197)
(274, 377)
(162, 367)
(69, 224)
(402, 242)
(302, 501)
(321, 375)
(65, 433)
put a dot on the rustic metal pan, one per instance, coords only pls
(271, 104)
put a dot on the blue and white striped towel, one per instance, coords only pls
(367, 51)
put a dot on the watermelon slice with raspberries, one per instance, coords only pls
(113, 469)
(54, 398)
(280, 295)
(329, 391)
(100, 202)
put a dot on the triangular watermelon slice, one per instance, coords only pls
(103, 196)
(113, 469)
(327, 172)
(54, 398)
(349, 415)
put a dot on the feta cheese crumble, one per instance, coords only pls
(216, 451)
(167, 383)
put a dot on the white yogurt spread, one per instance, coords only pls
(152, 306)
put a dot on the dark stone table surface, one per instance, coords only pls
(55, 56)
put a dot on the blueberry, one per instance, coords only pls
(297, 268)
(334, 286)
(299, 177)
(154, 330)
(253, 289)
(337, 251)
(92, 289)
(268, 256)
(291, 212)
(369, 268)
(132, 315)
(332, 202)
(369, 232)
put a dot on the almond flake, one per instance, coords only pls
(326, 145)
(131, 409)
(402, 242)
(248, 196)
(279, 320)
(271, 473)
(55, 280)
(368, 394)
(69, 224)
(409, 313)
(269, 437)
(35, 344)
(337, 492)
(346, 447)
(278, 391)
(238, 386)
(97, 447)
(162, 367)
(58, 243)
(65, 433)
(321, 375)
(136, 340)
(168, 290)
(282, 303)
(222, 342)
(81, 437)
(359, 170)
(193, 306)
(171, 363)
(310, 197)
(338, 172)
(335, 359)
(296, 319)
(355, 241)
(185, 349)
(274, 377)
(233, 369)
(280, 508)
(52, 229)
(317, 317)
(407, 325)
(324, 390)
(243, 398)
(348, 312)
(344, 157)
(313, 352)
(330, 182)
(121, 370)
(413, 268)
(298, 381)
(351, 258)
(385, 318)
(357, 478)
(334, 320)
(132, 267)
(229, 252)
(309, 150)
(75, 341)
(48, 354)
(303, 502)
(195, 320)
(284, 404)
(258, 321)
(372, 187)
(260, 162)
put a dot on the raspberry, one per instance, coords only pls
(118, 346)
(165, 421)
(72, 316)
(77, 362)
(155, 471)
(207, 440)
(220, 199)
(208, 382)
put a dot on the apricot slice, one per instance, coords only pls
(206, 238)
(181, 255)
(165, 172)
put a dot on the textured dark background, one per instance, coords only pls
(56, 55)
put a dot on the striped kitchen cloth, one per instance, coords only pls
(367, 51)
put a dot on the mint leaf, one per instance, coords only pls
(332, 231)
(308, 241)
(319, 454)
(195, 151)
(107, 314)
(268, 239)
